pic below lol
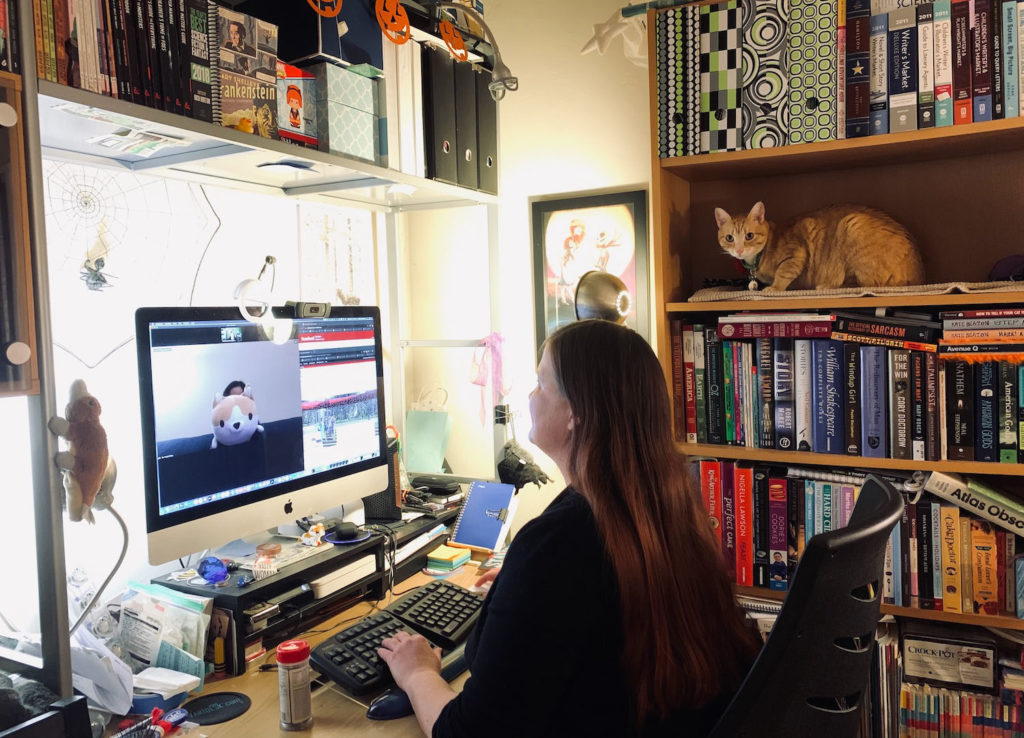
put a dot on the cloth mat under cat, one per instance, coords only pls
(715, 294)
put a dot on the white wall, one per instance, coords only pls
(577, 123)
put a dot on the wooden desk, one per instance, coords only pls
(334, 712)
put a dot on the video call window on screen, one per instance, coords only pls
(234, 412)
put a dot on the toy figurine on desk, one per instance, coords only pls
(89, 471)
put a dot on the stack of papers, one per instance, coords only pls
(447, 558)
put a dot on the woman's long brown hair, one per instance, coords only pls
(687, 641)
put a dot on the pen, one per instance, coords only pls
(137, 728)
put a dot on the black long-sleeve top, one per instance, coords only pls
(545, 656)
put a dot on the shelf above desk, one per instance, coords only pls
(71, 119)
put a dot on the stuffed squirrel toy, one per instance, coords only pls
(89, 472)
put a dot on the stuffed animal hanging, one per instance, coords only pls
(89, 472)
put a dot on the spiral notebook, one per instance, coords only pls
(486, 517)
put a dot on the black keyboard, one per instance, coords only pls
(440, 611)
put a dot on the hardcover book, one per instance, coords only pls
(851, 404)
(689, 387)
(700, 383)
(766, 382)
(760, 527)
(917, 405)
(932, 424)
(874, 409)
(879, 91)
(296, 105)
(743, 504)
(943, 56)
(950, 558)
(925, 66)
(899, 404)
(782, 381)
(1007, 405)
(902, 68)
(715, 399)
(981, 60)
(979, 499)
(959, 411)
(711, 492)
(833, 404)
(678, 393)
(985, 427)
(802, 393)
(778, 515)
(924, 555)
(961, 24)
(858, 79)
(728, 519)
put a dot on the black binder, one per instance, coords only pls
(439, 114)
(486, 135)
(465, 124)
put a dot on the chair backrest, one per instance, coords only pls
(811, 674)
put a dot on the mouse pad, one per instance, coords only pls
(219, 707)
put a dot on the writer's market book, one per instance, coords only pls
(486, 516)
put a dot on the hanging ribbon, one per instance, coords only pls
(487, 369)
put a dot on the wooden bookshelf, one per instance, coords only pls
(958, 190)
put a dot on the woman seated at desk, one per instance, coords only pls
(626, 548)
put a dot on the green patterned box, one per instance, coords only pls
(348, 112)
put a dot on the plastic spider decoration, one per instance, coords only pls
(93, 276)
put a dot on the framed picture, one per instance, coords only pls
(575, 234)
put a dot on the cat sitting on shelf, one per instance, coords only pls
(835, 246)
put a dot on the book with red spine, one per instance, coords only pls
(743, 492)
(678, 395)
(711, 493)
(755, 317)
(960, 11)
(689, 384)
(781, 329)
(778, 527)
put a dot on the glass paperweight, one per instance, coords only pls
(213, 570)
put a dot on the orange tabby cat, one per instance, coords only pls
(831, 247)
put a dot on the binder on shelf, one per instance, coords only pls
(812, 86)
(486, 136)
(439, 114)
(465, 125)
(486, 517)
(764, 89)
(720, 62)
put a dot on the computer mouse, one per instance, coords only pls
(394, 703)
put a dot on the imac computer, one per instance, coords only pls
(245, 428)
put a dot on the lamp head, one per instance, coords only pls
(603, 296)
(502, 80)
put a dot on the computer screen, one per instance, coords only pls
(245, 427)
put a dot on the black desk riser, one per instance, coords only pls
(298, 609)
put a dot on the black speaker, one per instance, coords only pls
(385, 505)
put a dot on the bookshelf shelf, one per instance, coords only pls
(893, 148)
(809, 458)
(832, 303)
(992, 621)
(230, 157)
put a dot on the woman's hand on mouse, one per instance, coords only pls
(487, 577)
(409, 656)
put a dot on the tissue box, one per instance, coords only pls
(348, 119)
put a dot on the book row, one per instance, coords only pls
(849, 392)
(931, 681)
(764, 73)
(10, 61)
(955, 548)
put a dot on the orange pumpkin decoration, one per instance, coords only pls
(453, 39)
(393, 20)
(326, 8)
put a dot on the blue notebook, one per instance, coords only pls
(486, 516)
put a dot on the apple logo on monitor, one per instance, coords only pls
(288, 507)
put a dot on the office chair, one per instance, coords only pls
(811, 674)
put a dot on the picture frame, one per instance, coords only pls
(575, 233)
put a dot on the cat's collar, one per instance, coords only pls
(751, 267)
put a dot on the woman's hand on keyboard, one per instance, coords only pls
(408, 657)
(487, 578)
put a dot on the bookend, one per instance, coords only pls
(811, 675)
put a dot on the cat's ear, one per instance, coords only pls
(722, 217)
(757, 212)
